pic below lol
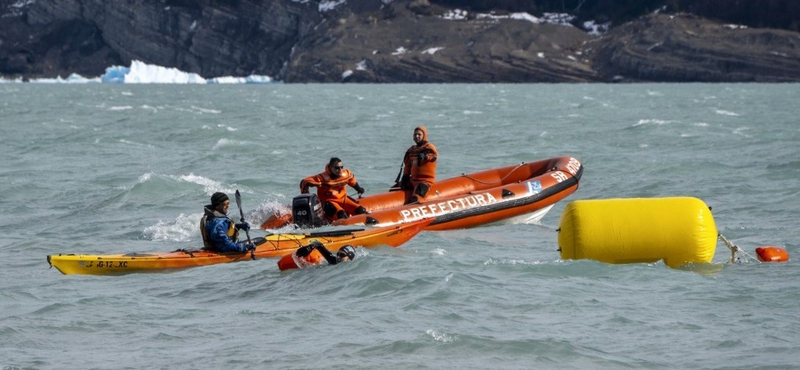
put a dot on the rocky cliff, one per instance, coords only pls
(684, 48)
(379, 41)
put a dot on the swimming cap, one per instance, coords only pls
(346, 251)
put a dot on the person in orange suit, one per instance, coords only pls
(315, 254)
(419, 166)
(332, 192)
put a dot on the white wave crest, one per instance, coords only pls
(742, 131)
(223, 143)
(210, 186)
(651, 121)
(145, 177)
(182, 229)
(124, 141)
(439, 251)
(725, 112)
(440, 337)
(492, 261)
(206, 110)
(269, 208)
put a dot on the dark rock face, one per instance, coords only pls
(211, 38)
(397, 44)
(79, 48)
(378, 41)
(684, 48)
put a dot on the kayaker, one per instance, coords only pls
(314, 254)
(419, 166)
(220, 232)
(332, 192)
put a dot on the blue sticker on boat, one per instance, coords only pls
(534, 187)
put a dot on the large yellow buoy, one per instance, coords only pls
(639, 230)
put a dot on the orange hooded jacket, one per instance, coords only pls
(425, 170)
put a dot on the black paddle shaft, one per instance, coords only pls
(241, 214)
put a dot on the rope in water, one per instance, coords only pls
(734, 249)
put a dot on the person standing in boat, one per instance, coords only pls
(332, 192)
(314, 254)
(219, 231)
(419, 166)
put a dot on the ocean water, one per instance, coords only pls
(127, 168)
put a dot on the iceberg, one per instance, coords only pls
(142, 73)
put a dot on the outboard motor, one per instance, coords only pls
(307, 211)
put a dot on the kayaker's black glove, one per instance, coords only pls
(422, 157)
(243, 226)
(249, 247)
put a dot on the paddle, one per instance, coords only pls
(246, 232)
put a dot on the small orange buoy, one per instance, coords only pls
(772, 254)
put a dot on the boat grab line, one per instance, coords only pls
(494, 182)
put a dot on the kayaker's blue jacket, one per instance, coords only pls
(217, 227)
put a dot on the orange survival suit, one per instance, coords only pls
(419, 167)
(332, 193)
(313, 254)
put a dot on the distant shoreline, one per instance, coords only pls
(399, 42)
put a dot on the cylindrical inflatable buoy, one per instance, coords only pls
(772, 254)
(640, 230)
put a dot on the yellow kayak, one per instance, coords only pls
(271, 246)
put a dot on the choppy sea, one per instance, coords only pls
(127, 168)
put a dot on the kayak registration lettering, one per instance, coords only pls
(443, 208)
(112, 264)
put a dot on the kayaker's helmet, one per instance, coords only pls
(346, 251)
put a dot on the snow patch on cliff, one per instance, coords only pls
(17, 9)
(455, 14)
(400, 51)
(328, 5)
(432, 51)
(562, 19)
(596, 29)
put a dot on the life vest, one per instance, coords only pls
(209, 215)
(292, 261)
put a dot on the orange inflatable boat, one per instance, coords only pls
(523, 190)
